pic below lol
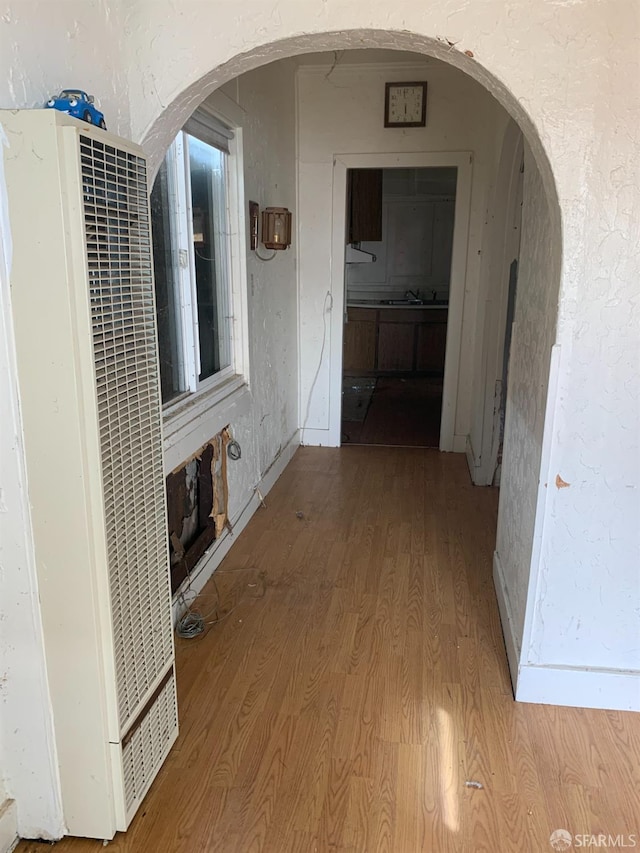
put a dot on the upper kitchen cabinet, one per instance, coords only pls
(364, 205)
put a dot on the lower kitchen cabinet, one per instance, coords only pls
(359, 345)
(403, 340)
(431, 344)
(396, 349)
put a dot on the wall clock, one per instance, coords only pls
(405, 104)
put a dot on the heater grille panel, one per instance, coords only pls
(118, 246)
(144, 749)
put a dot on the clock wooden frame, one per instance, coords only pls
(387, 99)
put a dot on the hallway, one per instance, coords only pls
(360, 681)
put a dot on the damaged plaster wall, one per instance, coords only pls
(500, 247)
(268, 98)
(590, 545)
(533, 338)
(262, 417)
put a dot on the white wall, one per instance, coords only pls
(48, 46)
(264, 416)
(585, 588)
(531, 344)
(343, 114)
(268, 96)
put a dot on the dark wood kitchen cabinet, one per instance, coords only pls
(386, 341)
(364, 195)
(359, 345)
(396, 339)
(431, 343)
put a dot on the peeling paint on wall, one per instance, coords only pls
(532, 341)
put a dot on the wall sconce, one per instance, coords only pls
(276, 227)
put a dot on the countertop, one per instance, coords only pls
(422, 306)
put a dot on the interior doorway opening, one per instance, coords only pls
(399, 242)
(331, 114)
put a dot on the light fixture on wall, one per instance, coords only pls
(276, 227)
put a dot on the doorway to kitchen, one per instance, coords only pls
(400, 229)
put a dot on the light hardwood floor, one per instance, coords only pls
(361, 681)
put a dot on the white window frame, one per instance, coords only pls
(231, 253)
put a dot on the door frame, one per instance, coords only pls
(463, 161)
(504, 244)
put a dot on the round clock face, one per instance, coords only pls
(405, 104)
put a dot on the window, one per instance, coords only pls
(190, 220)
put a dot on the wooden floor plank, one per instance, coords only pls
(359, 681)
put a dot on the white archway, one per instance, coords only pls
(532, 347)
(166, 120)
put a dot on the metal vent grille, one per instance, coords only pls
(118, 241)
(145, 747)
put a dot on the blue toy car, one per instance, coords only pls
(77, 103)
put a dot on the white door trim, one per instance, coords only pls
(463, 161)
(504, 247)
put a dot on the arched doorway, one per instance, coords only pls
(539, 276)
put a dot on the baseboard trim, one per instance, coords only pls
(311, 437)
(278, 465)
(471, 457)
(609, 690)
(459, 444)
(574, 687)
(219, 550)
(8, 826)
(511, 641)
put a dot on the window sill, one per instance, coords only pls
(198, 417)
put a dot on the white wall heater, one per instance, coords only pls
(84, 313)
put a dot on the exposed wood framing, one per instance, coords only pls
(197, 504)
